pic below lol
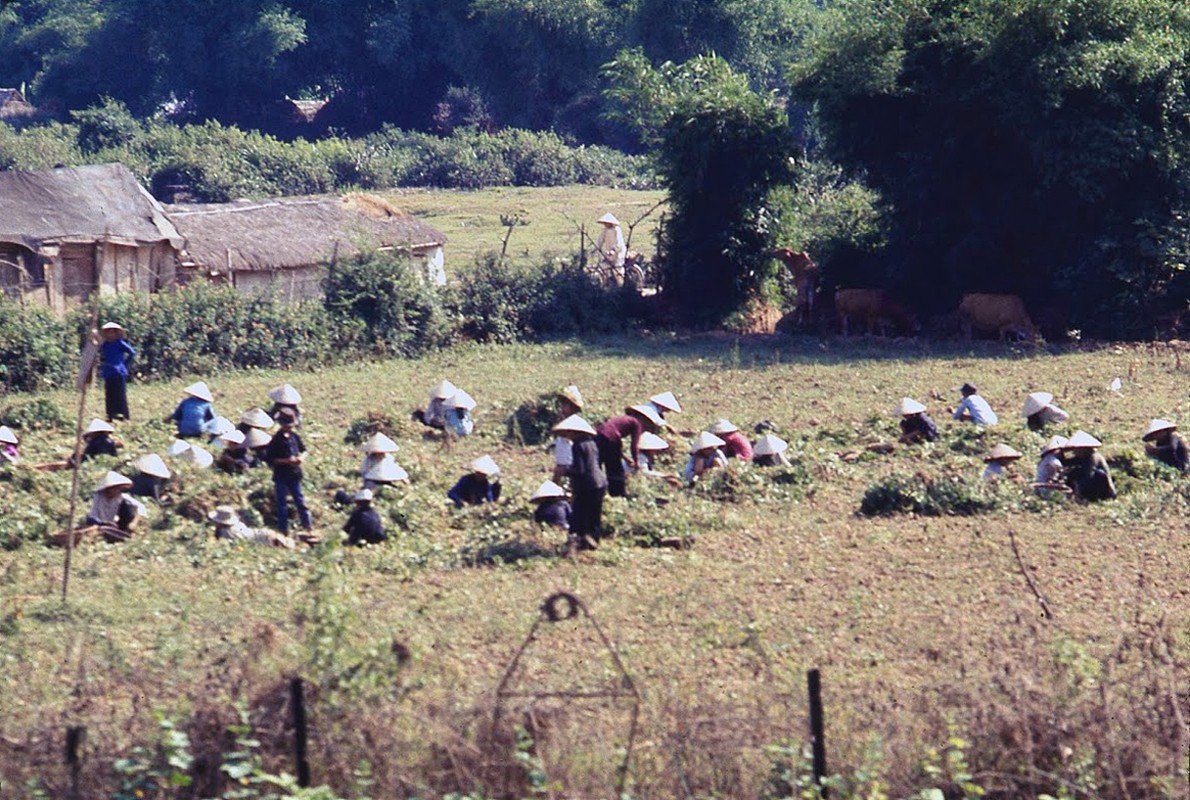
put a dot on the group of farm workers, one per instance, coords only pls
(590, 461)
(1070, 465)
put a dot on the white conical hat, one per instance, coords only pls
(218, 426)
(198, 457)
(285, 394)
(386, 471)
(379, 443)
(362, 496)
(1081, 439)
(770, 445)
(152, 464)
(443, 390)
(233, 438)
(667, 401)
(649, 413)
(1055, 443)
(722, 426)
(176, 448)
(1156, 426)
(1002, 451)
(98, 426)
(112, 479)
(909, 406)
(112, 326)
(574, 424)
(706, 440)
(572, 394)
(547, 490)
(461, 399)
(223, 515)
(256, 418)
(652, 442)
(199, 390)
(608, 219)
(255, 437)
(7, 436)
(1037, 401)
(484, 465)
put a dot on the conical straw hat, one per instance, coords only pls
(770, 445)
(484, 465)
(1081, 439)
(572, 394)
(198, 457)
(233, 438)
(667, 401)
(98, 426)
(705, 441)
(1037, 401)
(649, 413)
(177, 448)
(608, 219)
(462, 400)
(199, 390)
(112, 479)
(443, 390)
(722, 426)
(386, 471)
(112, 326)
(7, 436)
(255, 437)
(1002, 452)
(285, 394)
(218, 426)
(362, 496)
(909, 406)
(1055, 443)
(574, 424)
(548, 490)
(223, 515)
(256, 418)
(1155, 427)
(652, 442)
(379, 443)
(152, 464)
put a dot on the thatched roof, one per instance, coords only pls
(295, 232)
(97, 203)
(13, 104)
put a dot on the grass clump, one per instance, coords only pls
(931, 497)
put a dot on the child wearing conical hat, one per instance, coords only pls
(569, 403)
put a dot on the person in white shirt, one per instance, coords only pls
(112, 506)
(998, 460)
(1050, 469)
(974, 408)
(570, 402)
(611, 247)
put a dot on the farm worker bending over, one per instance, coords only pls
(611, 247)
(285, 454)
(480, 485)
(115, 355)
(588, 482)
(705, 455)
(998, 459)
(770, 451)
(665, 403)
(974, 408)
(458, 414)
(194, 412)
(916, 425)
(735, 445)
(1087, 473)
(609, 439)
(112, 507)
(553, 509)
(98, 440)
(151, 476)
(1163, 443)
(1040, 411)
(229, 526)
(364, 525)
(435, 413)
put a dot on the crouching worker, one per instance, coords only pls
(99, 439)
(916, 425)
(1051, 471)
(480, 485)
(151, 477)
(458, 418)
(553, 509)
(230, 527)
(235, 458)
(9, 443)
(1163, 443)
(770, 452)
(735, 444)
(113, 509)
(194, 412)
(705, 455)
(998, 459)
(1087, 473)
(588, 481)
(435, 414)
(364, 525)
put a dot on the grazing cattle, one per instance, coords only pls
(805, 279)
(1002, 314)
(875, 309)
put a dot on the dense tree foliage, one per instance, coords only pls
(1032, 146)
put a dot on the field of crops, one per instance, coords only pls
(942, 668)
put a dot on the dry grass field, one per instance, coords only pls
(940, 668)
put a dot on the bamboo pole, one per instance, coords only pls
(84, 382)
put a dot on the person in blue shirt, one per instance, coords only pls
(974, 408)
(194, 411)
(115, 355)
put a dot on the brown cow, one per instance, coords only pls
(805, 279)
(999, 313)
(876, 309)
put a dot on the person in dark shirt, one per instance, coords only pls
(552, 507)
(916, 425)
(150, 478)
(256, 442)
(480, 485)
(588, 482)
(1087, 473)
(235, 458)
(285, 454)
(115, 355)
(364, 525)
(1163, 443)
(98, 440)
(609, 440)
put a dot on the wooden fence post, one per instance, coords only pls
(817, 728)
(297, 703)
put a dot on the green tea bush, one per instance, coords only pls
(530, 423)
(35, 349)
(38, 414)
(920, 494)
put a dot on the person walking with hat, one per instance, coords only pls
(229, 527)
(998, 460)
(1164, 443)
(609, 438)
(916, 425)
(480, 485)
(285, 453)
(113, 509)
(612, 249)
(115, 354)
(553, 508)
(194, 412)
(1087, 473)
(150, 478)
(434, 415)
(706, 454)
(9, 446)
(735, 444)
(588, 482)
(1041, 411)
(364, 525)
(569, 402)
(769, 451)
(286, 398)
(974, 408)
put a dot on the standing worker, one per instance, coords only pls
(611, 247)
(115, 356)
(285, 454)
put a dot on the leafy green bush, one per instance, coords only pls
(38, 414)
(920, 494)
(530, 422)
(39, 147)
(35, 350)
(107, 125)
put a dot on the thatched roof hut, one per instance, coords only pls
(284, 244)
(13, 104)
